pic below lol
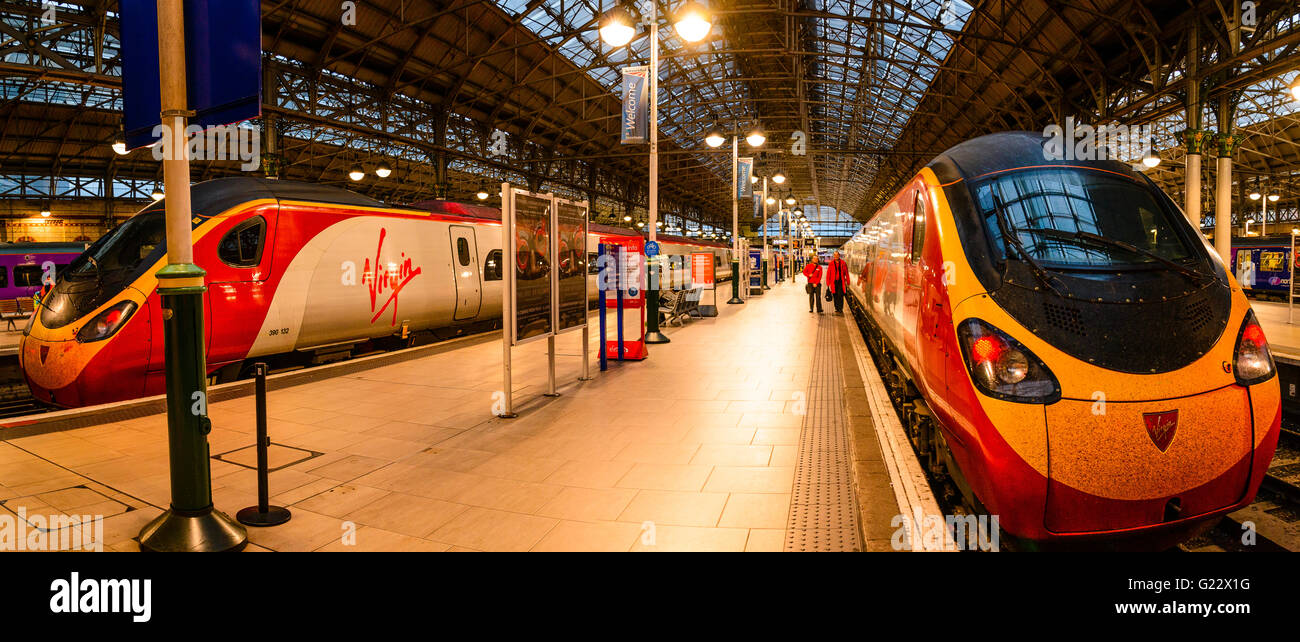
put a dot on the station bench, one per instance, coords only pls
(674, 305)
(17, 309)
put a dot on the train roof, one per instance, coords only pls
(212, 197)
(1010, 150)
(215, 196)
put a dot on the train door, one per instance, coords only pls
(464, 260)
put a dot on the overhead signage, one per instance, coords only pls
(223, 65)
(744, 172)
(636, 105)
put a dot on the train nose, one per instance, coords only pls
(51, 369)
(1123, 465)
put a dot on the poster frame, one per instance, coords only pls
(555, 273)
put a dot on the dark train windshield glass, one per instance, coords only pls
(1073, 200)
(110, 264)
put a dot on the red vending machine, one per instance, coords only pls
(625, 298)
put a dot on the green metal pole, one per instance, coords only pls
(190, 523)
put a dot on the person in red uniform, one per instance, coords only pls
(837, 281)
(813, 272)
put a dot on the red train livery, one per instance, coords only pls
(296, 272)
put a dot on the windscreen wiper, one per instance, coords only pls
(1097, 239)
(1011, 240)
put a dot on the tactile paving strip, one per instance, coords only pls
(823, 508)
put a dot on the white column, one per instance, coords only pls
(1193, 197)
(1223, 210)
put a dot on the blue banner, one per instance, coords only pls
(744, 170)
(636, 105)
(223, 76)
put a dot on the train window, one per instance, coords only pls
(918, 226)
(242, 246)
(592, 258)
(1045, 207)
(462, 251)
(492, 266)
(28, 276)
(4, 277)
(1272, 261)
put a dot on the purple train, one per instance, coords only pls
(23, 265)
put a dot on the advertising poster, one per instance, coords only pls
(571, 221)
(755, 268)
(532, 267)
(702, 269)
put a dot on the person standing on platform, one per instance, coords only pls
(813, 272)
(837, 281)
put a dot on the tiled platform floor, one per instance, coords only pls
(692, 449)
(1282, 337)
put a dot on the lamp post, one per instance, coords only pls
(692, 24)
(190, 523)
(765, 251)
(755, 138)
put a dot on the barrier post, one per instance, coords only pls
(602, 264)
(263, 514)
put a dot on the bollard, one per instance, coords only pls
(263, 514)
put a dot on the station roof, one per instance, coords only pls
(872, 90)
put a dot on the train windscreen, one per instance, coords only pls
(1078, 218)
(110, 264)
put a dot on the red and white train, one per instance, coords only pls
(1067, 347)
(291, 272)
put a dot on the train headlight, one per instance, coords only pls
(106, 323)
(1003, 368)
(1252, 360)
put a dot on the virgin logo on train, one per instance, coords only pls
(391, 278)
(1161, 426)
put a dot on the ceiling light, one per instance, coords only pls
(45, 210)
(753, 179)
(627, 219)
(771, 200)
(356, 173)
(1272, 198)
(790, 200)
(383, 170)
(1295, 88)
(616, 27)
(778, 178)
(756, 137)
(119, 146)
(692, 22)
(1150, 159)
(157, 194)
(482, 193)
(1254, 196)
(715, 137)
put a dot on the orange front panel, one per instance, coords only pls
(1108, 471)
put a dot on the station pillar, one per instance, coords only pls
(1227, 144)
(190, 523)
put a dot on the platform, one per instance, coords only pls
(1283, 337)
(751, 431)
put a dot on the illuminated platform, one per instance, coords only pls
(751, 431)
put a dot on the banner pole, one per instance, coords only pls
(507, 295)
